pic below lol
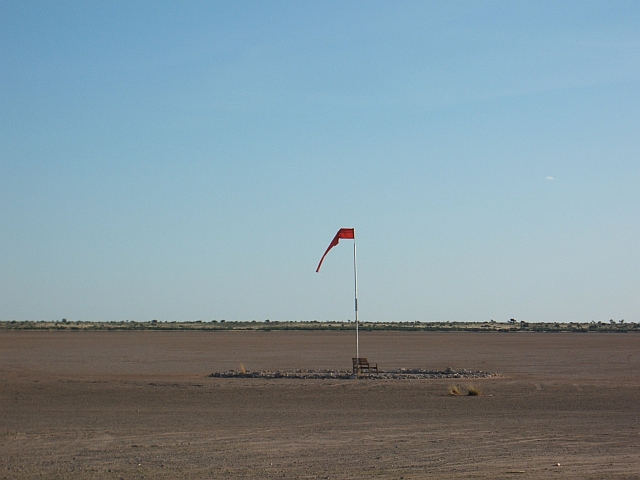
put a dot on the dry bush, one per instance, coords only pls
(243, 370)
(472, 391)
(454, 390)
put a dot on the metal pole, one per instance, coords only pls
(355, 282)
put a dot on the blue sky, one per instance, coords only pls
(193, 160)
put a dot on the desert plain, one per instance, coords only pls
(141, 404)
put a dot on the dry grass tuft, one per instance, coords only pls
(454, 390)
(243, 370)
(473, 391)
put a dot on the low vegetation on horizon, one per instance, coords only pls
(267, 325)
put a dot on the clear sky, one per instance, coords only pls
(193, 160)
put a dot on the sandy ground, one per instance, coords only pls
(140, 405)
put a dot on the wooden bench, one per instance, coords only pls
(362, 365)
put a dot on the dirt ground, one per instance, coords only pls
(111, 405)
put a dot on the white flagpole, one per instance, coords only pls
(355, 282)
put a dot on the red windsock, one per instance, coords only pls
(348, 233)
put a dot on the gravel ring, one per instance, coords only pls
(400, 374)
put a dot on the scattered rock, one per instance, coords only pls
(399, 374)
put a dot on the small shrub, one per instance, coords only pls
(457, 390)
(472, 391)
(243, 370)
(454, 390)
